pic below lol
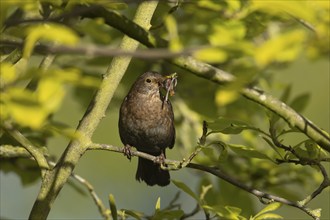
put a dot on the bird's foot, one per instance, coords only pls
(160, 159)
(127, 151)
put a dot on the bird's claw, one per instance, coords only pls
(160, 159)
(127, 151)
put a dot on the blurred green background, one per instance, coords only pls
(112, 173)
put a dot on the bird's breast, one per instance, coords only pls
(147, 122)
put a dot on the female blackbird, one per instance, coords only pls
(146, 122)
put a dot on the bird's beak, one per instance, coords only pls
(169, 84)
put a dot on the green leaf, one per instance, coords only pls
(227, 212)
(226, 96)
(157, 207)
(316, 212)
(95, 28)
(227, 126)
(55, 33)
(218, 210)
(27, 170)
(175, 44)
(300, 102)
(205, 189)
(233, 210)
(50, 93)
(271, 144)
(281, 48)
(208, 4)
(268, 216)
(223, 151)
(113, 207)
(7, 74)
(168, 214)
(23, 107)
(211, 55)
(247, 152)
(186, 189)
(134, 214)
(286, 93)
(298, 9)
(271, 207)
(227, 33)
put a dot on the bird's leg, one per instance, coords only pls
(127, 151)
(160, 159)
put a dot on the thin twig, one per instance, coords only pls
(192, 213)
(33, 150)
(301, 161)
(261, 195)
(95, 51)
(325, 183)
(212, 170)
(102, 209)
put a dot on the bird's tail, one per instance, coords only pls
(151, 173)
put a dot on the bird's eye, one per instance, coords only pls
(148, 80)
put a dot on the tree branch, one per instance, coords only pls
(56, 178)
(93, 50)
(33, 150)
(102, 209)
(214, 171)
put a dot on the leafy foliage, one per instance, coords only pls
(250, 39)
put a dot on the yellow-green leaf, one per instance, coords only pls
(245, 151)
(7, 73)
(269, 216)
(271, 207)
(55, 33)
(225, 97)
(175, 44)
(24, 108)
(186, 189)
(316, 212)
(50, 93)
(208, 4)
(113, 207)
(157, 207)
(211, 55)
(298, 9)
(282, 48)
(227, 33)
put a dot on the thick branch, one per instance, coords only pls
(56, 178)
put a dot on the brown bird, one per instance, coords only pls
(146, 121)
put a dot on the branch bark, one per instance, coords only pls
(55, 179)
